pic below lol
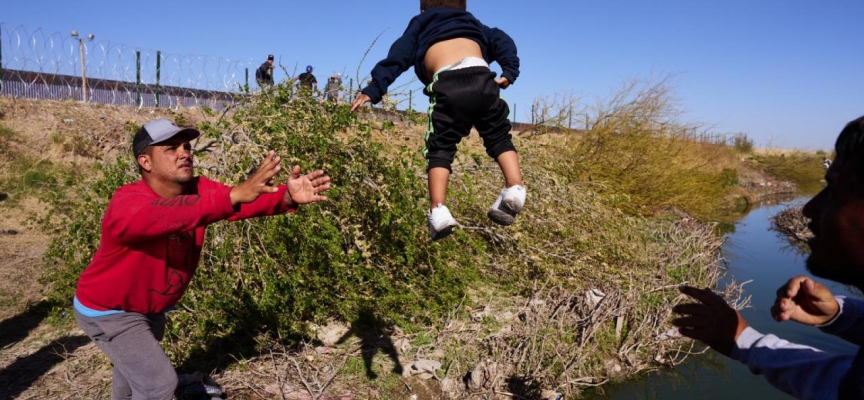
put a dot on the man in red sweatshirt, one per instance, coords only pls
(152, 235)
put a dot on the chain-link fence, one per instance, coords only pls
(57, 66)
(69, 66)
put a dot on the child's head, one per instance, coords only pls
(457, 4)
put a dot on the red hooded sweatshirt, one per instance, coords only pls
(150, 246)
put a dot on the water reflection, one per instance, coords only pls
(728, 220)
(765, 258)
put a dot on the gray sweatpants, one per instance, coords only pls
(142, 371)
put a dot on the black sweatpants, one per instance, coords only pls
(458, 100)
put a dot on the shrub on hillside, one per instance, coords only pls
(644, 156)
(743, 143)
(367, 248)
(799, 167)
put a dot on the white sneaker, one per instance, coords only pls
(441, 222)
(507, 205)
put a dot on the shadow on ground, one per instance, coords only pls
(17, 328)
(375, 335)
(24, 371)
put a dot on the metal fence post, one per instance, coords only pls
(410, 101)
(138, 77)
(351, 90)
(515, 115)
(83, 70)
(247, 80)
(158, 71)
(1, 59)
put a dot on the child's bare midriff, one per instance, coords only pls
(449, 52)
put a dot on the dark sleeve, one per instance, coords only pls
(398, 61)
(849, 322)
(502, 49)
(852, 384)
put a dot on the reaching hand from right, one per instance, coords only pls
(805, 301)
(260, 182)
(359, 102)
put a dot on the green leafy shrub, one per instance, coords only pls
(367, 248)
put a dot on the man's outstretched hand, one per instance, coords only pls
(260, 181)
(302, 189)
(805, 301)
(305, 189)
(711, 321)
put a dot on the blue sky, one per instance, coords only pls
(787, 72)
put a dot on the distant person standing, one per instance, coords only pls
(331, 90)
(264, 73)
(308, 82)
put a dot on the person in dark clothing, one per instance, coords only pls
(264, 73)
(308, 83)
(450, 51)
(836, 253)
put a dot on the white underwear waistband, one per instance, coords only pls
(466, 62)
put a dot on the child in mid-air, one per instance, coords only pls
(451, 51)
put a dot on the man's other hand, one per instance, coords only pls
(805, 301)
(711, 321)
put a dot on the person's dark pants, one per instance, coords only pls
(458, 100)
(131, 340)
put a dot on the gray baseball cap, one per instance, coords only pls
(158, 131)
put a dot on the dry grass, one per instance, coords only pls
(76, 132)
(792, 223)
(21, 248)
(772, 151)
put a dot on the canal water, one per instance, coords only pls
(763, 257)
